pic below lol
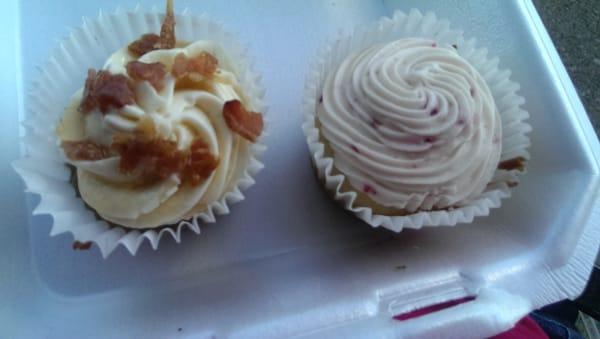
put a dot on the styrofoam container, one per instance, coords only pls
(288, 261)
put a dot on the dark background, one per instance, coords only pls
(574, 26)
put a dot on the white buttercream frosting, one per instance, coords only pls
(412, 125)
(180, 115)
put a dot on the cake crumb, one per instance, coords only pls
(512, 164)
(82, 246)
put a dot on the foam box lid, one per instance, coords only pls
(288, 261)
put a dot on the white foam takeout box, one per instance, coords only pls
(288, 261)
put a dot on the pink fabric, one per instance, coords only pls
(526, 328)
(432, 308)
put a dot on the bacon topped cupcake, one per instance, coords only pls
(160, 132)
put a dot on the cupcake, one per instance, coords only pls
(164, 134)
(405, 130)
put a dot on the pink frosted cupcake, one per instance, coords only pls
(406, 131)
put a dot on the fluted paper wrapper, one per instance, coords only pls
(42, 166)
(414, 24)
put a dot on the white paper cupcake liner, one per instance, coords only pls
(514, 140)
(42, 166)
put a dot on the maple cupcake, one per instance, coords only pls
(165, 134)
(405, 128)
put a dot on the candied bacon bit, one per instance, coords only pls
(146, 43)
(156, 159)
(105, 91)
(154, 73)
(179, 68)
(200, 163)
(84, 150)
(112, 90)
(167, 30)
(150, 42)
(88, 102)
(247, 124)
(204, 64)
(512, 164)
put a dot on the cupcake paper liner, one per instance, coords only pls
(414, 24)
(42, 166)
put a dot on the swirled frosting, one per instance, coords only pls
(178, 113)
(412, 125)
